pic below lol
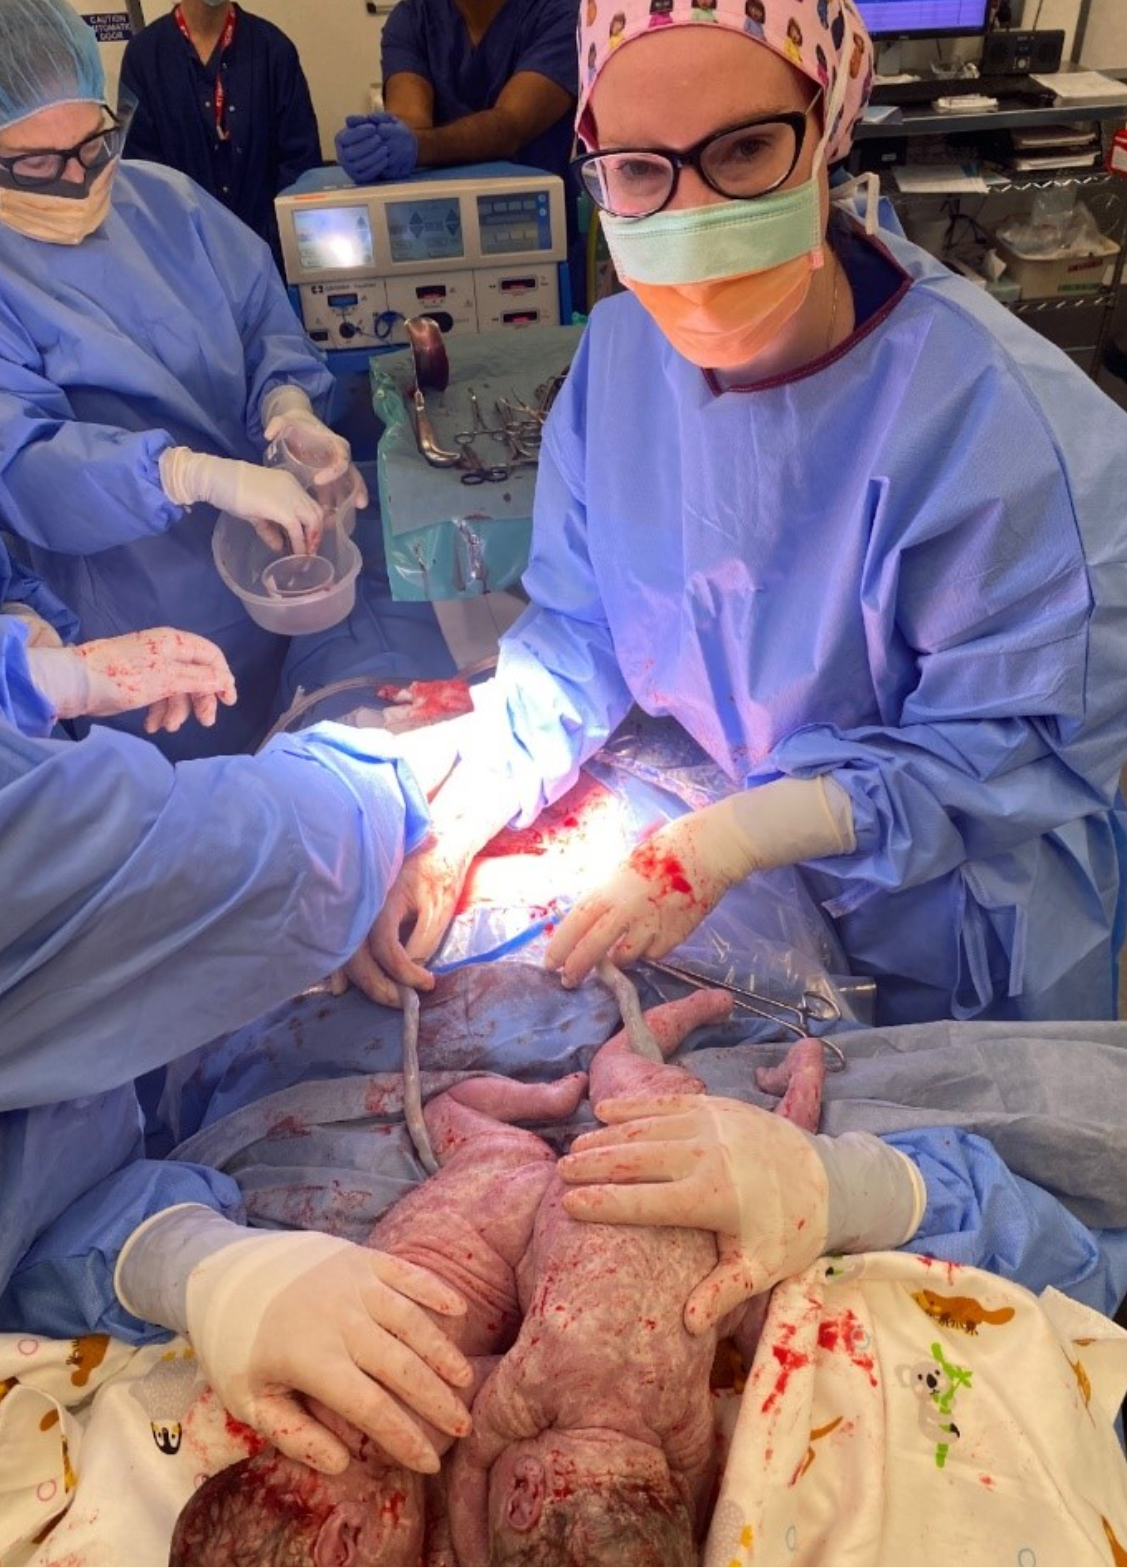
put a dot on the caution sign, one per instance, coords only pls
(109, 27)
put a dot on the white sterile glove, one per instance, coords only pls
(777, 1197)
(286, 411)
(271, 1315)
(40, 632)
(285, 518)
(677, 877)
(172, 673)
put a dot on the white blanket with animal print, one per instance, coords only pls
(904, 1411)
(898, 1411)
(101, 1445)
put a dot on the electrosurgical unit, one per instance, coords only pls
(479, 249)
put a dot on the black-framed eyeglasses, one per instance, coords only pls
(38, 169)
(741, 162)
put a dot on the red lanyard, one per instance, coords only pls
(219, 96)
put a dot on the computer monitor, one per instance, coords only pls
(924, 18)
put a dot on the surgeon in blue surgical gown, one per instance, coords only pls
(148, 907)
(148, 351)
(860, 531)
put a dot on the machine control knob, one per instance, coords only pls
(347, 330)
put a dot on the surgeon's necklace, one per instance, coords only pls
(833, 310)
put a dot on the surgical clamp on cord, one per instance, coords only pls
(812, 1007)
(412, 1081)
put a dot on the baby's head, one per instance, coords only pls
(270, 1511)
(564, 1500)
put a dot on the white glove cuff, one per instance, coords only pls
(60, 675)
(877, 1196)
(151, 1277)
(40, 632)
(281, 400)
(179, 475)
(786, 822)
(19, 611)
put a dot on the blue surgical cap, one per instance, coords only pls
(48, 55)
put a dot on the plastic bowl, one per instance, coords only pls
(241, 558)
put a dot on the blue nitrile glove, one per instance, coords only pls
(375, 147)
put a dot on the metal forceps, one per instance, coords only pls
(520, 454)
(478, 472)
(519, 427)
(812, 1007)
(479, 426)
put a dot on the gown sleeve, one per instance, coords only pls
(559, 693)
(76, 1186)
(150, 908)
(980, 1213)
(21, 705)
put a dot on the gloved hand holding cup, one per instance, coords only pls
(286, 519)
(319, 459)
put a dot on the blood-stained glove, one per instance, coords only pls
(777, 1197)
(172, 673)
(469, 808)
(40, 632)
(673, 880)
(373, 147)
(426, 891)
(271, 1315)
(284, 516)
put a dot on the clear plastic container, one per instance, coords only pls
(303, 453)
(289, 594)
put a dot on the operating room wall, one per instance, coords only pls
(111, 52)
(1105, 37)
(339, 44)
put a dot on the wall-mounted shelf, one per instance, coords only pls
(927, 127)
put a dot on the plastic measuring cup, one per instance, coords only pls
(293, 576)
(305, 454)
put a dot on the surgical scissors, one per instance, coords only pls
(478, 472)
(812, 1006)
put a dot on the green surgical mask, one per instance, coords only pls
(727, 239)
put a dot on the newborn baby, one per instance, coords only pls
(275, 1512)
(471, 1223)
(593, 1441)
(594, 1438)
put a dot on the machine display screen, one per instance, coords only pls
(428, 230)
(333, 239)
(509, 224)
